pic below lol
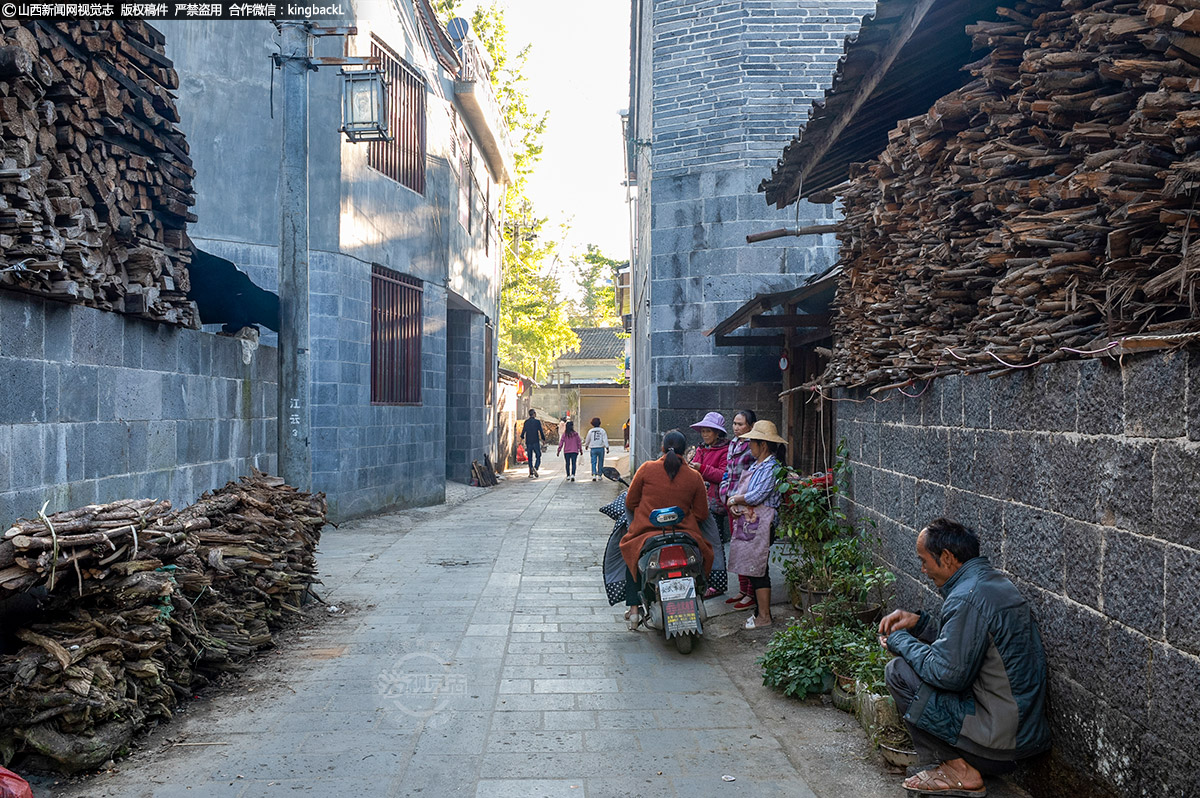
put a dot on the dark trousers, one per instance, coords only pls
(904, 683)
(534, 453)
(571, 459)
(633, 589)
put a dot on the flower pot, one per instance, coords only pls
(803, 598)
(842, 699)
(870, 615)
(897, 756)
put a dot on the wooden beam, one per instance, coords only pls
(812, 337)
(811, 230)
(791, 320)
(826, 137)
(750, 340)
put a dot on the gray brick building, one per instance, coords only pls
(716, 85)
(428, 221)
(112, 406)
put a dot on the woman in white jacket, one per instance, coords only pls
(596, 442)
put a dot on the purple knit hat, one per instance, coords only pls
(712, 421)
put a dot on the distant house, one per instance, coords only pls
(588, 382)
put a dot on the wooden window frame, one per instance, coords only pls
(403, 158)
(397, 315)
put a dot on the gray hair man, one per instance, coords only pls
(972, 689)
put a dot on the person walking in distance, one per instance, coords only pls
(570, 445)
(737, 462)
(596, 442)
(534, 437)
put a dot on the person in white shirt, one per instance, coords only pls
(596, 442)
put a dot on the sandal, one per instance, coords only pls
(751, 623)
(635, 618)
(936, 782)
(712, 592)
(736, 598)
(745, 603)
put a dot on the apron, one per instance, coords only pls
(750, 544)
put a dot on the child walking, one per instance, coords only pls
(596, 442)
(569, 446)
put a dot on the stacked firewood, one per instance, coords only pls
(1048, 204)
(95, 180)
(144, 605)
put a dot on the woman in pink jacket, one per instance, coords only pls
(709, 460)
(570, 443)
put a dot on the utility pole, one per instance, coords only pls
(295, 377)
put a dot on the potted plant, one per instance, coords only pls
(797, 660)
(876, 709)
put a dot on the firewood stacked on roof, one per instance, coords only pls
(95, 180)
(1049, 203)
(145, 605)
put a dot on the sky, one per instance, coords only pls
(578, 70)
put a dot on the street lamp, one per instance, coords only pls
(364, 105)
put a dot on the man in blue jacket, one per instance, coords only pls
(534, 437)
(971, 689)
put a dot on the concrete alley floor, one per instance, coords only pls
(474, 654)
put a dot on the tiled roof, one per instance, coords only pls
(596, 343)
(927, 66)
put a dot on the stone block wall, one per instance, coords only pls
(466, 415)
(370, 458)
(100, 406)
(1083, 482)
(726, 82)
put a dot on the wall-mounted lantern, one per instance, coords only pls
(364, 105)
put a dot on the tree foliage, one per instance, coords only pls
(534, 324)
(597, 275)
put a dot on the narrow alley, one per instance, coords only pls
(474, 654)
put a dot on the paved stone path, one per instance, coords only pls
(478, 657)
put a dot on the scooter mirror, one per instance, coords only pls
(611, 473)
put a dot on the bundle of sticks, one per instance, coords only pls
(95, 179)
(143, 606)
(1048, 205)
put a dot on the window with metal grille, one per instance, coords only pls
(403, 158)
(489, 366)
(462, 147)
(395, 338)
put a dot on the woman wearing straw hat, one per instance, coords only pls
(752, 508)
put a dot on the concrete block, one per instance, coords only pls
(1073, 637)
(1049, 397)
(106, 449)
(1101, 403)
(1174, 700)
(1176, 504)
(109, 329)
(160, 347)
(1193, 401)
(138, 394)
(1134, 568)
(80, 494)
(27, 465)
(1033, 546)
(194, 441)
(1154, 395)
(24, 383)
(111, 489)
(977, 406)
(22, 327)
(1181, 588)
(57, 342)
(132, 338)
(1030, 482)
(1083, 573)
(78, 392)
(961, 458)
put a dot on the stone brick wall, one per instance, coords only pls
(370, 458)
(99, 407)
(726, 82)
(466, 415)
(1083, 481)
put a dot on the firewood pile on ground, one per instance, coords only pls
(1048, 205)
(95, 179)
(141, 606)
